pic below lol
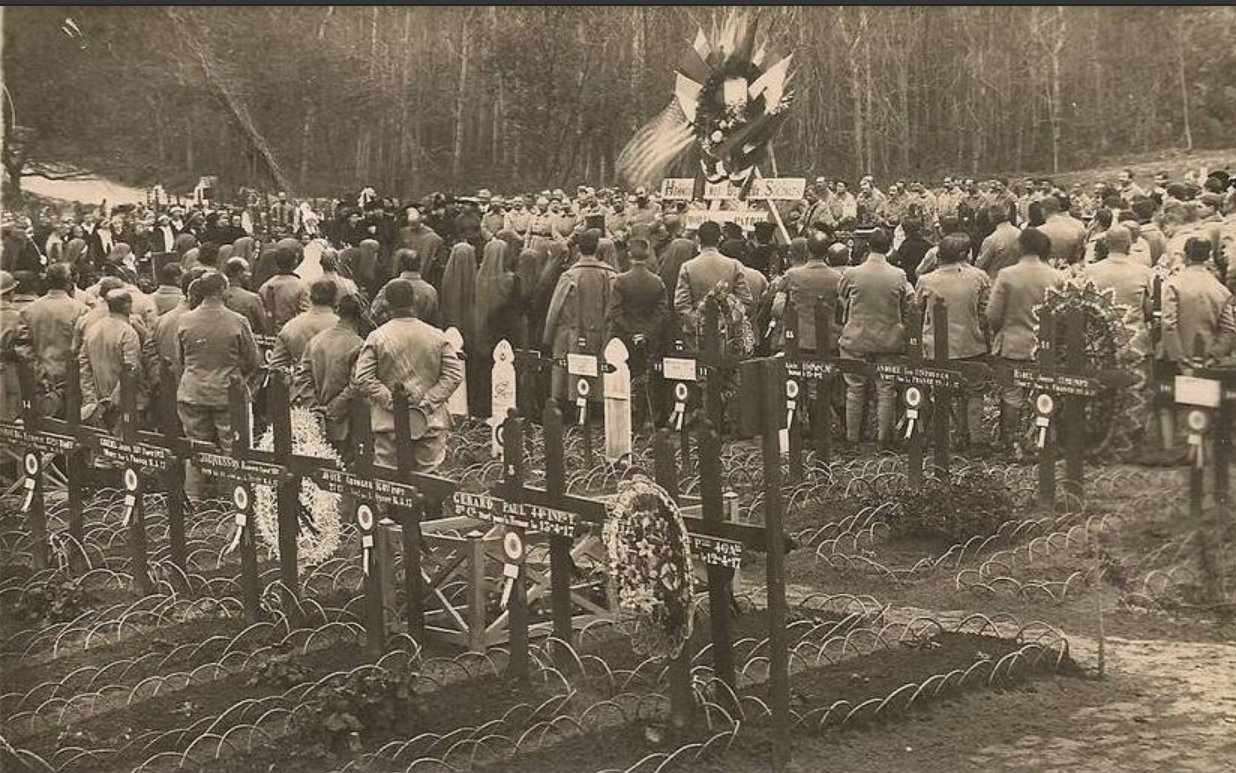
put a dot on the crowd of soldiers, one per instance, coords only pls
(355, 301)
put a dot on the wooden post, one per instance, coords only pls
(822, 408)
(560, 564)
(774, 375)
(1223, 503)
(790, 325)
(32, 463)
(129, 425)
(75, 466)
(681, 699)
(1074, 408)
(1047, 454)
(250, 580)
(513, 475)
(174, 476)
(250, 590)
(914, 445)
(384, 539)
(457, 405)
(477, 621)
(719, 578)
(617, 380)
(288, 491)
(711, 356)
(375, 609)
(410, 519)
(581, 395)
(942, 397)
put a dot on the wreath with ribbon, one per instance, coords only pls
(318, 519)
(730, 98)
(1110, 344)
(650, 562)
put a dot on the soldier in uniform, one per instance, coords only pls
(295, 336)
(577, 309)
(241, 299)
(417, 355)
(1017, 290)
(638, 310)
(108, 346)
(213, 345)
(873, 295)
(965, 291)
(281, 293)
(323, 379)
(46, 332)
(425, 303)
(517, 217)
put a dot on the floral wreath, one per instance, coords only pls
(650, 561)
(730, 98)
(1109, 344)
(736, 334)
(318, 535)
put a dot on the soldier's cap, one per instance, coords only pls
(119, 295)
(7, 283)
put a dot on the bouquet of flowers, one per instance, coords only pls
(735, 332)
(650, 561)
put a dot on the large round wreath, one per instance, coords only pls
(1114, 415)
(650, 561)
(317, 537)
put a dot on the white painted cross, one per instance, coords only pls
(502, 391)
(617, 401)
(458, 402)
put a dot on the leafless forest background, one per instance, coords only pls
(322, 99)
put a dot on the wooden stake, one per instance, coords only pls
(719, 577)
(681, 700)
(288, 491)
(774, 375)
(129, 425)
(513, 481)
(1047, 454)
(560, 565)
(410, 520)
(942, 397)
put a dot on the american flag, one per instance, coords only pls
(655, 147)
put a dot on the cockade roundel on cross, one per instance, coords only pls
(730, 98)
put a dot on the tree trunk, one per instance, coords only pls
(1056, 106)
(1183, 82)
(190, 159)
(460, 93)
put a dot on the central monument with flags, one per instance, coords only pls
(730, 97)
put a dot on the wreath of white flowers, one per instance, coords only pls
(650, 561)
(319, 534)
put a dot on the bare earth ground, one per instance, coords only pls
(1162, 706)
